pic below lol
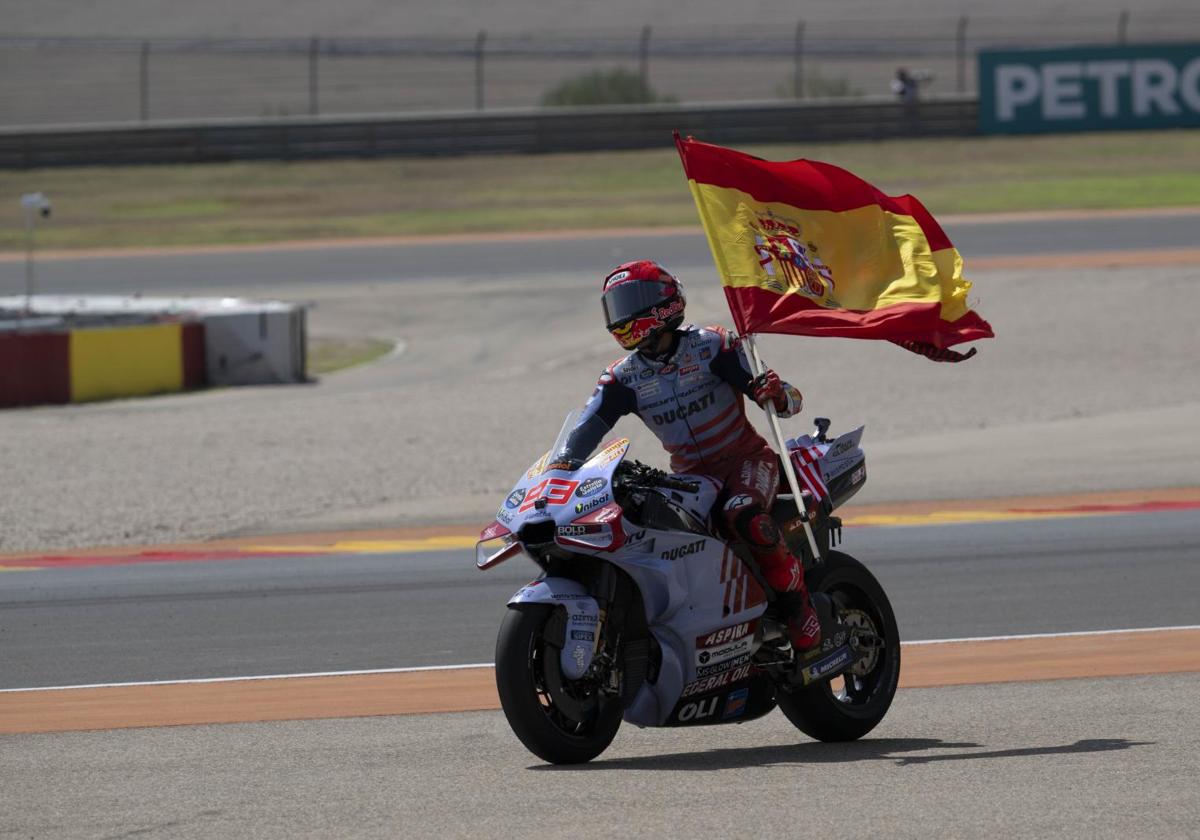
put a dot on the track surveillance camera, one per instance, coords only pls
(36, 202)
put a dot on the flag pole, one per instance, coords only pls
(789, 469)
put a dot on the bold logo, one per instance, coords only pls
(571, 530)
(556, 491)
(583, 507)
(682, 411)
(646, 374)
(683, 550)
(583, 635)
(514, 499)
(591, 487)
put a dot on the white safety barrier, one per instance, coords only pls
(246, 342)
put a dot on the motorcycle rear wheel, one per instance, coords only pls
(531, 687)
(849, 707)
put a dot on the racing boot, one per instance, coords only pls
(785, 574)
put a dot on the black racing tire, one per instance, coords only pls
(862, 701)
(528, 702)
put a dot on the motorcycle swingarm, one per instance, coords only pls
(829, 665)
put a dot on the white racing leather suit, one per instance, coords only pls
(694, 402)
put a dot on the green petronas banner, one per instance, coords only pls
(1139, 86)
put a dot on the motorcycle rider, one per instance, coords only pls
(688, 384)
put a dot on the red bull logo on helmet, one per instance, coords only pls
(632, 333)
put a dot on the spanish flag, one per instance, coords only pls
(807, 248)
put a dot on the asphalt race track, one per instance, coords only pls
(284, 615)
(1073, 758)
(1089, 758)
(487, 256)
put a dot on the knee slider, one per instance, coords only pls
(746, 518)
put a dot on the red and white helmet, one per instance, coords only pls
(641, 300)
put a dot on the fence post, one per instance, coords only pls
(644, 60)
(798, 59)
(962, 54)
(480, 40)
(1122, 26)
(144, 82)
(314, 48)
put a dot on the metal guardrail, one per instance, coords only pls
(515, 131)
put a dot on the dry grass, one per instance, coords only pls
(262, 202)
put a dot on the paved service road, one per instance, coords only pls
(350, 612)
(497, 257)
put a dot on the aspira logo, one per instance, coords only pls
(683, 550)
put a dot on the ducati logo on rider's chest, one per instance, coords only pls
(686, 409)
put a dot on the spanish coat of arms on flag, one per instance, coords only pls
(807, 248)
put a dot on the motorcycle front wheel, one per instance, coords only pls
(559, 721)
(850, 706)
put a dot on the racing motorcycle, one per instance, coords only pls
(644, 611)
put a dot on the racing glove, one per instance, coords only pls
(769, 388)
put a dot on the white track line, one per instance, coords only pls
(1053, 635)
(491, 664)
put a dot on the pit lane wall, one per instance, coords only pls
(59, 349)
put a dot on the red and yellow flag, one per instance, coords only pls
(807, 248)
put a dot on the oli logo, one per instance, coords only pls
(698, 710)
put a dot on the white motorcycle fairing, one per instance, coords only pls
(583, 617)
(702, 604)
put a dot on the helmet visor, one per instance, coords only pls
(624, 301)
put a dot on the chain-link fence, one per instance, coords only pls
(63, 80)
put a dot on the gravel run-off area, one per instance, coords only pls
(1091, 384)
